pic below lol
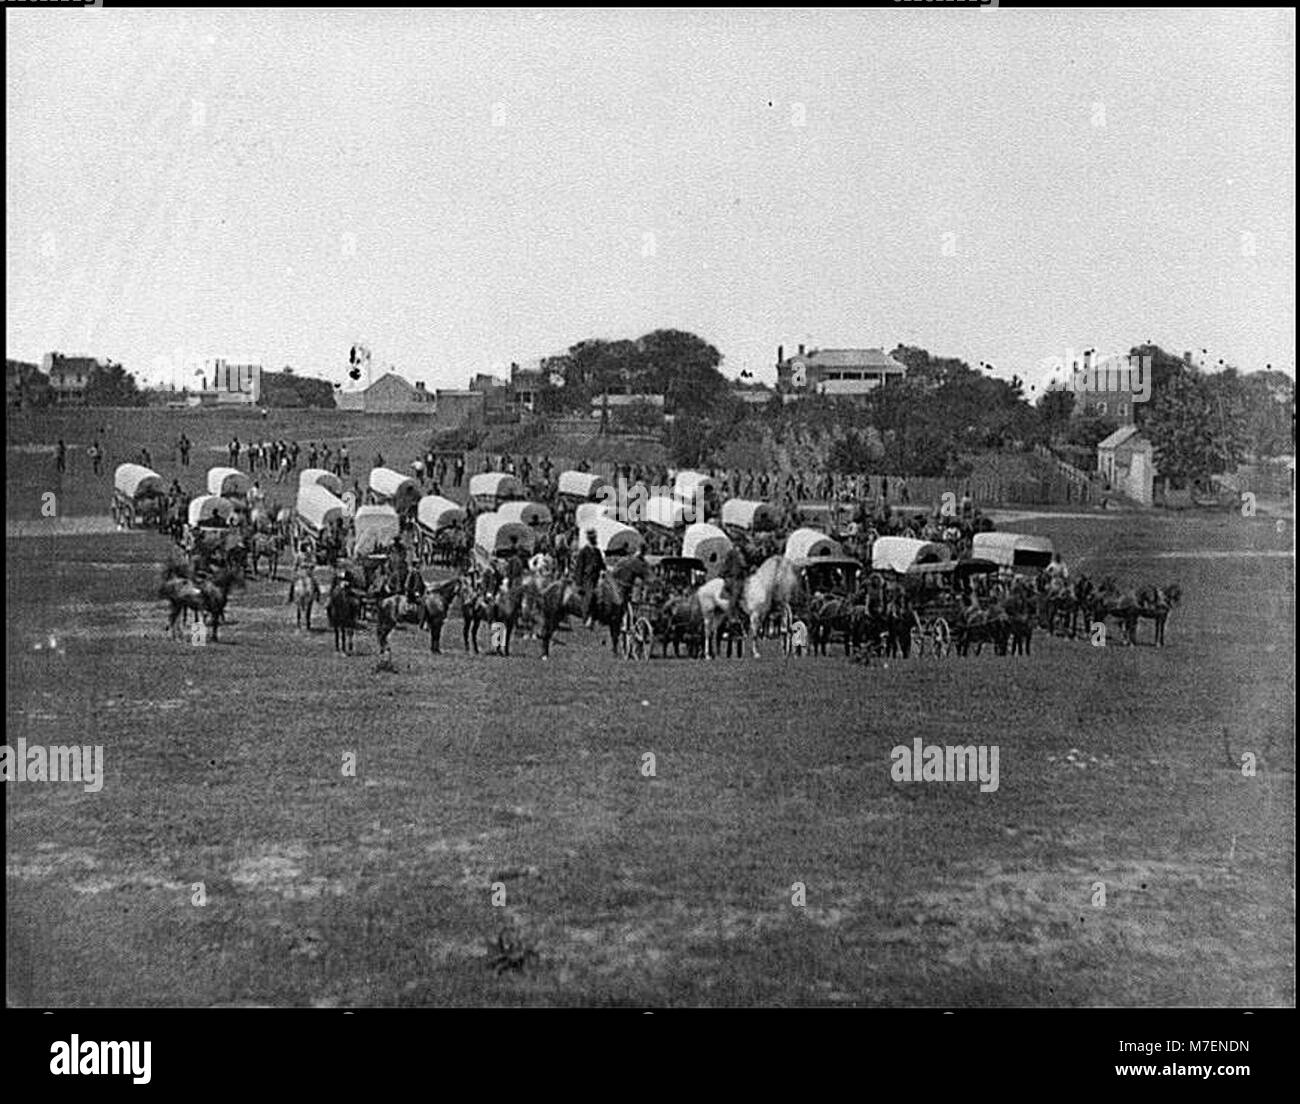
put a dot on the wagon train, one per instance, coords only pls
(138, 497)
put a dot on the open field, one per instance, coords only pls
(223, 766)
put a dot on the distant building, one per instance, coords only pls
(526, 384)
(389, 394)
(843, 373)
(498, 406)
(1126, 460)
(460, 409)
(1108, 392)
(69, 376)
(25, 385)
(755, 396)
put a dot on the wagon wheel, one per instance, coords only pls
(642, 639)
(625, 635)
(942, 637)
(920, 638)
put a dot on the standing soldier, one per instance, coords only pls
(61, 457)
(587, 570)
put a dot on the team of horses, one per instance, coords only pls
(879, 618)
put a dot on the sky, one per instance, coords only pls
(459, 190)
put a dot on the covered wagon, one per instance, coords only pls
(663, 519)
(533, 514)
(1018, 551)
(747, 515)
(693, 488)
(614, 538)
(907, 556)
(581, 486)
(488, 490)
(374, 529)
(497, 536)
(210, 511)
(805, 544)
(589, 512)
(394, 489)
(229, 483)
(708, 544)
(440, 531)
(319, 477)
(138, 495)
(315, 514)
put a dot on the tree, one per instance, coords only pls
(112, 385)
(1193, 434)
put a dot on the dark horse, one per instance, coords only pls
(554, 603)
(474, 610)
(609, 599)
(434, 605)
(343, 610)
(207, 596)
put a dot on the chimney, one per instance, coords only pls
(801, 350)
(780, 354)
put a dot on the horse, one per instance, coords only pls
(1129, 607)
(715, 605)
(772, 588)
(388, 611)
(474, 610)
(554, 602)
(609, 599)
(1156, 604)
(434, 605)
(304, 592)
(680, 621)
(265, 545)
(207, 596)
(979, 627)
(1020, 615)
(344, 610)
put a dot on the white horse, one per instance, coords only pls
(770, 590)
(715, 607)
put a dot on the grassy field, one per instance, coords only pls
(224, 767)
(31, 440)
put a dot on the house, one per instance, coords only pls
(389, 394)
(843, 373)
(459, 409)
(525, 386)
(25, 385)
(497, 404)
(69, 376)
(1126, 460)
(1104, 388)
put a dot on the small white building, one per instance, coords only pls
(1126, 460)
